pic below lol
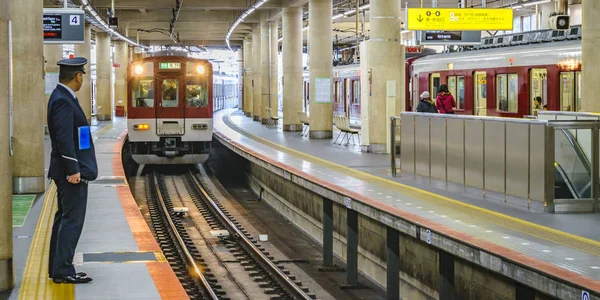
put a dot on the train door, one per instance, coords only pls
(480, 93)
(170, 110)
(348, 93)
(538, 85)
(434, 84)
(570, 91)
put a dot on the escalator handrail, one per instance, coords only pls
(580, 154)
(562, 173)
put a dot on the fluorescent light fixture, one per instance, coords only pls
(240, 19)
(337, 16)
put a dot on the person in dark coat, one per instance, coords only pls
(72, 165)
(425, 104)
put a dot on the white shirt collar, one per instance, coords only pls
(68, 89)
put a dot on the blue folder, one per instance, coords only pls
(84, 137)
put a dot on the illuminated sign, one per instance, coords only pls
(458, 19)
(63, 26)
(443, 35)
(413, 49)
(451, 37)
(170, 65)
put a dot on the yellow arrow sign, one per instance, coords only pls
(460, 19)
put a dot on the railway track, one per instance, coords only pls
(193, 259)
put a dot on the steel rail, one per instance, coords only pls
(186, 252)
(290, 283)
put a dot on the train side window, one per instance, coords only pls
(434, 84)
(460, 92)
(142, 91)
(356, 91)
(196, 91)
(451, 85)
(170, 93)
(507, 91)
(538, 83)
(567, 91)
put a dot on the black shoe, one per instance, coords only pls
(81, 274)
(73, 279)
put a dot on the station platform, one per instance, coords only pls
(116, 248)
(565, 247)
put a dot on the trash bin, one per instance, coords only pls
(119, 111)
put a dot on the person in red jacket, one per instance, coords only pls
(445, 102)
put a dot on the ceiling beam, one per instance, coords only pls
(187, 5)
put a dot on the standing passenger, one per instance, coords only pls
(72, 165)
(445, 102)
(425, 104)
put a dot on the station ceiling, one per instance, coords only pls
(206, 22)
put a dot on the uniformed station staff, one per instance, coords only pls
(72, 166)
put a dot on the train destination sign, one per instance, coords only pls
(170, 65)
(63, 26)
(459, 19)
(451, 37)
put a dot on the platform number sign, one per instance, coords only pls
(428, 236)
(74, 20)
(585, 295)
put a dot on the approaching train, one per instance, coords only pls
(503, 78)
(170, 108)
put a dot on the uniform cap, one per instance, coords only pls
(425, 95)
(73, 64)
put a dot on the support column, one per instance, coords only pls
(248, 78)
(590, 67)
(292, 68)
(382, 75)
(52, 54)
(28, 83)
(6, 232)
(103, 79)
(446, 282)
(265, 70)
(393, 264)
(274, 58)
(321, 68)
(327, 232)
(351, 246)
(256, 73)
(121, 61)
(84, 95)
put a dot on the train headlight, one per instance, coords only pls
(141, 126)
(139, 70)
(200, 69)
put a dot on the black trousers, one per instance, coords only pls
(67, 227)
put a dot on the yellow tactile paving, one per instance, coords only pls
(542, 232)
(36, 284)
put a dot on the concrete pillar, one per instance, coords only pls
(6, 233)
(321, 68)
(274, 57)
(28, 95)
(121, 60)
(103, 79)
(265, 70)
(248, 77)
(590, 67)
(546, 9)
(382, 75)
(84, 95)
(52, 54)
(292, 68)
(256, 73)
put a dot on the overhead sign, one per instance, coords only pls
(113, 22)
(451, 37)
(64, 26)
(458, 19)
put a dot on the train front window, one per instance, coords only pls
(170, 93)
(142, 91)
(197, 91)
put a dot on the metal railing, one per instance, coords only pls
(514, 160)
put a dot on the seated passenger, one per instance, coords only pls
(425, 104)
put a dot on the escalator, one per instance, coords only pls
(572, 168)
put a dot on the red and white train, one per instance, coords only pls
(170, 109)
(501, 79)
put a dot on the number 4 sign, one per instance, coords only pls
(74, 20)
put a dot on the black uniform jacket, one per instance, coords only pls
(65, 117)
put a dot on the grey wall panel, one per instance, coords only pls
(474, 153)
(407, 144)
(455, 151)
(494, 140)
(438, 148)
(422, 143)
(517, 164)
(537, 158)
